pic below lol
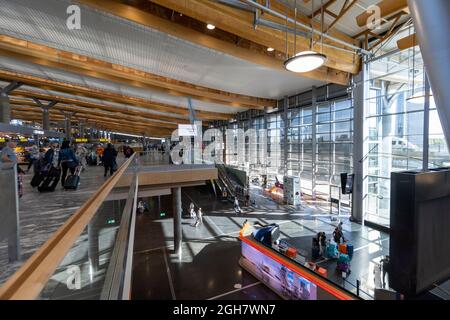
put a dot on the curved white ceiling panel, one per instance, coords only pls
(120, 41)
(109, 86)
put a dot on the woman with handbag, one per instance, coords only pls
(67, 160)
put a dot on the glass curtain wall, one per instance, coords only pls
(329, 129)
(394, 122)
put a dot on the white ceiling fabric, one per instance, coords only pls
(116, 40)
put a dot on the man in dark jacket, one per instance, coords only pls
(67, 160)
(109, 159)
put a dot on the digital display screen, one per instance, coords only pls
(278, 277)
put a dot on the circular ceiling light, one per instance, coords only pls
(210, 26)
(305, 61)
(270, 49)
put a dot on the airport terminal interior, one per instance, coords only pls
(224, 150)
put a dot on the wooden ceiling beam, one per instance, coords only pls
(231, 48)
(81, 64)
(110, 125)
(106, 96)
(97, 112)
(387, 7)
(325, 7)
(407, 42)
(88, 104)
(241, 23)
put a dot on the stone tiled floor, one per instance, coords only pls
(42, 214)
(208, 267)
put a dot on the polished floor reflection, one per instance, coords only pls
(208, 267)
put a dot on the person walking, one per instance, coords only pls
(34, 156)
(81, 154)
(67, 160)
(237, 208)
(199, 219)
(192, 210)
(386, 265)
(109, 159)
(337, 236)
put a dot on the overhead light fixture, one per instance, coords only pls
(270, 49)
(305, 61)
(210, 26)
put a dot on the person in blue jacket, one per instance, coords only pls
(67, 160)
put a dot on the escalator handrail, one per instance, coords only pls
(31, 278)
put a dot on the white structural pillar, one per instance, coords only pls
(358, 144)
(431, 22)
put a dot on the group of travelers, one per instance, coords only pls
(59, 161)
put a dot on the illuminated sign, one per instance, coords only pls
(162, 214)
(187, 130)
(38, 132)
(105, 140)
(81, 140)
(283, 280)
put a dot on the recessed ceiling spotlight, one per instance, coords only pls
(210, 26)
(270, 49)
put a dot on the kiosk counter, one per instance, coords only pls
(286, 276)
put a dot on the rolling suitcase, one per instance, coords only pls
(344, 258)
(331, 250)
(343, 266)
(37, 179)
(350, 250)
(49, 183)
(73, 180)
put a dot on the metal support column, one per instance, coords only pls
(358, 94)
(313, 140)
(431, 24)
(45, 112)
(5, 106)
(426, 125)
(93, 244)
(81, 127)
(285, 139)
(68, 123)
(177, 211)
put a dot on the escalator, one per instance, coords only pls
(228, 183)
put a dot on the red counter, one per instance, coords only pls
(286, 277)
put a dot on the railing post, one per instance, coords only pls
(358, 283)
(177, 210)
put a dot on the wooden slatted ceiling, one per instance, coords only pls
(44, 55)
(93, 112)
(106, 96)
(235, 22)
(120, 126)
(241, 23)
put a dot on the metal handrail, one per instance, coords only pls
(31, 278)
